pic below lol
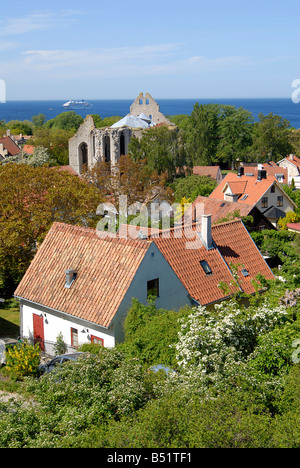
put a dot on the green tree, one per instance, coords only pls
(56, 142)
(31, 199)
(190, 187)
(20, 126)
(201, 134)
(271, 138)
(65, 121)
(235, 134)
(161, 148)
(38, 120)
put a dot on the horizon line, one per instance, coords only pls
(157, 99)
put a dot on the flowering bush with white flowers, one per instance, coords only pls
(214, 343)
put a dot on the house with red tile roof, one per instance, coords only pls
(292, 164)
(280, 173)
(220, 210)
(214, 172)
(8, 148)
(261, 190)
(294, 227)
(28, 149)
(81, 283)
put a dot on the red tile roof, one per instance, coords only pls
(10, 146)
(293, 226)
(272, 170)
(210, 171)
(233, 244)
(294, 160)
(218, 209)
(28, 149)
(242, 186)
(104, 267)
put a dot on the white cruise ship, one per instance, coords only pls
(77, 104)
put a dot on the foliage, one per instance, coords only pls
(161, 148)
(271, 138)
(23, 359)
(106, 122)
(192, 186)
(55, 141)
(60, 346)
(235, 134)
(284, 247)
(149, 333)
(202, 132)
(17, 127)
(37, 197)
(294, 195)
(65, 121)
(290, 217)
(129, 178)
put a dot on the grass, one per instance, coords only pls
(10, 322)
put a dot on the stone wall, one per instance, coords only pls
(147, 105)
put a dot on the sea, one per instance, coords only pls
(25, 110)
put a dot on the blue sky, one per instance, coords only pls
(172, 49)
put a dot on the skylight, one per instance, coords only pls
(245, 272)
(206, 267)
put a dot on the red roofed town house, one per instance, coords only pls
(8, 148)
(292, 165)
(81, 283)
(214, 172)
(260, 190)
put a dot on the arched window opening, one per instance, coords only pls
(122, 144)
(107, 149)
(83, 156)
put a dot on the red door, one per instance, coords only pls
(38, 331)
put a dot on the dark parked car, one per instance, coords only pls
(57, 360)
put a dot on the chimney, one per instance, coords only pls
(70, 277)
(231, 197)
(241, 171)
(262, 174)
(206, 232)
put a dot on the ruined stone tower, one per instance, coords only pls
(91, 144)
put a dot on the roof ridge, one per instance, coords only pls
(92, 232)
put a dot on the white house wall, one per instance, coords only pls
(56, 322)
(272, 200)
(172, 296)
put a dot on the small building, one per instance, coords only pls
(259, 190)
(81, 283)
(8, 148)
(214, 172)
(292, 164)
(220, 210)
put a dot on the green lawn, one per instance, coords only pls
(10, 322)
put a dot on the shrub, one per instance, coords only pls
(23, 360)
(60, 346)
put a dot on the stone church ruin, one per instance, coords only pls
(91, 145)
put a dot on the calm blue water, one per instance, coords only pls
(25, 110)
